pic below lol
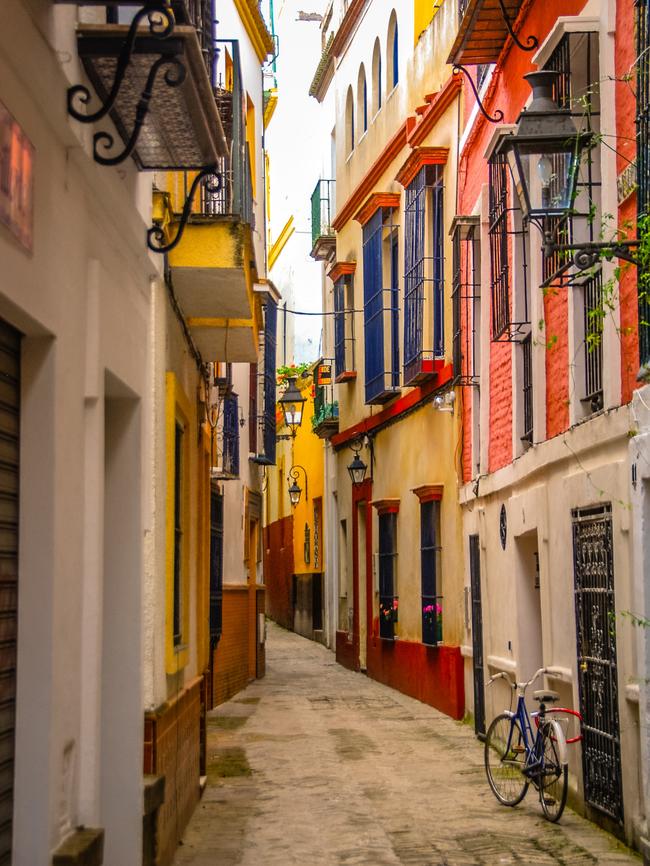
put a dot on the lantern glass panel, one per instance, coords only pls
(544, 178)
(294, 493)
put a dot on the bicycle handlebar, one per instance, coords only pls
(515, 685)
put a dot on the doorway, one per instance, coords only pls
(529, 610)
(477, 635)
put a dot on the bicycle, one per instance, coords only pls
(514, 757)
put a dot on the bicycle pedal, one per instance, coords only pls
(519, 749)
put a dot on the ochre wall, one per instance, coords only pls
(278, 570)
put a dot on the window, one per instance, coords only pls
(593, 343)
(380, 310)
(216, 564)
(643, 162)
(229, 457)
(388, 599)
(527, 390)
(344, 364)
(393, 51)
(178, 534)
(510, 314)
(430, 555)
(349, 122)
(466, 299)
(423, 275)
(362, 101)
(264, 427)
(376, 78)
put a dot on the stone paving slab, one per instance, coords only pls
(318, 766)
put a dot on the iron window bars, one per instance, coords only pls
(388, 600)
(430, 558)
(177, 623)
(466, 299)
(642, 8)
(576, 89)
(228, 438)
(593, 342)
(423, 275)
(505, 223)
(527, 389)
(344, 360)
(381, 311)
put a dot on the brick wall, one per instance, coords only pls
(556, 317)
(231, 665)
(500, 447)
(172, 749)
(278, 570)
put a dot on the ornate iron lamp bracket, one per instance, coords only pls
(161, 26)
(156, 234)
(532, 42)
(587, 254)
(498, 114)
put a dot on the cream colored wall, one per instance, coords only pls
(82, 300)
(586, 466)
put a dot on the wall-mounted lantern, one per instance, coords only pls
(544, 154)
(357, 468)
(292, 403)
(295, 491)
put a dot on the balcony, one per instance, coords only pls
(325, 420)
(484, 28)
(323, 239)
(152, 75)
(213, 270)
(227, 457)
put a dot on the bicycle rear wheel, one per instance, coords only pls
(553, 777)
(505, 756)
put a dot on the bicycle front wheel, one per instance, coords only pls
(553, 777)
(505, 755)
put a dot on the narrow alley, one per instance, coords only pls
(318, 765)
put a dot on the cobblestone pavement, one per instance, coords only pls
(318, 766)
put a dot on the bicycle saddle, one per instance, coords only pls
(545, 696)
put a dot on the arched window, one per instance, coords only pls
(393, 51)
(376, 78)
(349, 122)
(362, 101)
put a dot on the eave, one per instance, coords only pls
(255, 26)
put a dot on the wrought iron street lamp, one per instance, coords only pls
(295, 491)
(292, 403)
(357, 468)
(544, 154)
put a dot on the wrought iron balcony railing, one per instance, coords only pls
(322, 211)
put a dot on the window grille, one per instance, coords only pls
(388, 600)
(593, 346)
(322, 210)
(344, 326)
(380, 310)
(577, 89)
(423, 307)
(643, 164)
(506, 279)
(230, 437)
(430, 556)
(466, 299)
(527, 352)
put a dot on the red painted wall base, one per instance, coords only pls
(433, 675)
(345, 654)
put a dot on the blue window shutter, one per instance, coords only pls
(414, 222)
(438, 271)
(373, 308)
(339, 327)
(270, 339)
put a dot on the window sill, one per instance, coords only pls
(346, 376)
